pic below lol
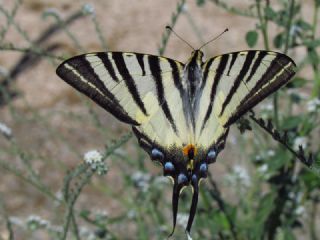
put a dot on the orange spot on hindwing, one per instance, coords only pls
(190, 150)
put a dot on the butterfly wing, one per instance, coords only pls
(233, 84)
(138, 89)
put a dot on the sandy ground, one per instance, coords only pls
(127, 26)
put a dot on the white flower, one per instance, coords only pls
(313, 105)
(300, 141)
(100, 214)
(266, 107)
(294, 30)
(300, 210)
(88, 9)
(258, 158)
(185, 8)
(35, 222)
(16, 221)
(5, 130)
(182, 219)
(242, 174)
(95, 159)
(3, 71)
(93, 156)
(51, 11)
(263, 168)
(132, 214)
(239, 178)
(54, 228)
(161, 180)
(271, 153)
(141, 180)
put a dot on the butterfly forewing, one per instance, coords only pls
(180, 113)
(139, 89)
(235, 83)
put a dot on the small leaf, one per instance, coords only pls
(292, 122)
(313, 57)
(297, 82)
(303, 25)
(312, 44)
(200, 3)
(270, 13)
(278, 41)
(252, 38)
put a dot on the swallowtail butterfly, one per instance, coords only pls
(180, 112)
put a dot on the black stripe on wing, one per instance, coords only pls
(281, 65)
(108, 65)
(139, 57)
(78, 72)
(131, 85)
(233, 60)
(176, 77)
(257, 62)
(206, 72)
(219, 73)
(154, 64)
(245, 68)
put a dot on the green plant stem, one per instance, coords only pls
(6, 219)
(20, 175)
(194, 27)
(166, 34)
(71, 196)
(233, 10)
(10, 19)
(40, 52)
(315, 68)
(286, 48)
(263, 25)
(99, 33)
(288, 27)
(215, 193)
(314, 213)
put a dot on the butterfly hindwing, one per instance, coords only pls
(138, 89)
(233, 84)
(180, 113)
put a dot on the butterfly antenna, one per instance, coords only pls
(215, 38)
(171, 30)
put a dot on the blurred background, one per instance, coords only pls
(257, 189)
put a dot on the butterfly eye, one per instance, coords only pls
(211, 157)
(182, 179)
(156, 154)
(168, 167)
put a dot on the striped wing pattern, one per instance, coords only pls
(138, 89)
(180, 113)
(233, 84)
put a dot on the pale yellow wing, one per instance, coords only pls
(233, 84)
(139, 89)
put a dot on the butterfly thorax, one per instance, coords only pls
(192, 80)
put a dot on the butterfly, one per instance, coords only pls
(180, 112)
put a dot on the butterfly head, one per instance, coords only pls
(186, 166)
(196, 57)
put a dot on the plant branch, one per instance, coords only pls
(166, 34)
(216, 195)
(283, 139)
